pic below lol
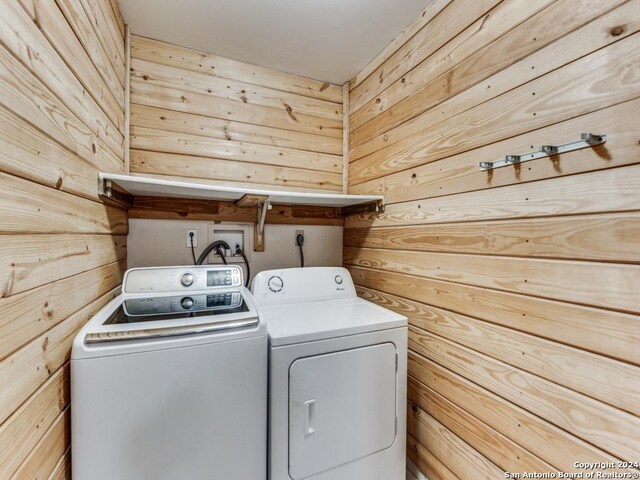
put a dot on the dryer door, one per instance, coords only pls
(342, 407)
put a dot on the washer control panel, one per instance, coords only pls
(194, 303)
(175, 279)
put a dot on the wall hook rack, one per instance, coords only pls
(587, 140)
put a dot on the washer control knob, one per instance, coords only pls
(187, 303)
(338, 279)
(187, 279)
(275, 284)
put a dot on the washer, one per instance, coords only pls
(169, 380)
(337, 387)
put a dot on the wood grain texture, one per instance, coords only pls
(99, 16)
(449, 22)
(26, 153)
(423, 18)
(556, 446)
(20, 433)
(427, 462)
(189, 209)
(198, 115)
(519, 283)
(610, 237)
(345, 138)
(224, 88)
(148, 92)
(52, 23)
(62, 251)
(44, 457)
(484, 31)
(502, 451)
(31, 366)
(41, 259)
(160, 163)
(203, 146)
(605, 332)
(23, 206)
(602, 31)
(456, 454)
(612, 190)
(597, 284)
(575, 368)
(460, 173)
(79, 21)
(62, 470)
(193, 60)
(605, 77)
(177, 122)
(35, 51)
(588, 419)
(494, 43)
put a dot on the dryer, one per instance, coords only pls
(169, 380)
(337, 370)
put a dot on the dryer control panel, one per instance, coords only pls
(292, 285)
(188, 278)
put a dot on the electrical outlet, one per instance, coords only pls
(195, 238)
(295, 237)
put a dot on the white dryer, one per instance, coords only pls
(337, 378)
(169, 381)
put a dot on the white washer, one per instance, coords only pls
(337, 385)
(169, 380)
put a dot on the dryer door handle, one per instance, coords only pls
(310, 415)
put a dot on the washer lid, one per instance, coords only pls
(310, 321)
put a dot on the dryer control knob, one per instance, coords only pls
(187, 303)
(275, 284)
(187, 279)
(338, 279)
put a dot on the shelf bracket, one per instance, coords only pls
(263, 207)
(587, 140)
(109, 191)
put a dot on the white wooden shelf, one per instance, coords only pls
(152, 187)
(262, 199)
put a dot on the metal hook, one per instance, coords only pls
(591, 139)
(513, 159)
(549, 149)
(485, 165)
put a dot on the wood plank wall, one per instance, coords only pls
(62, 251)
(521, 284)
(198, 115)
